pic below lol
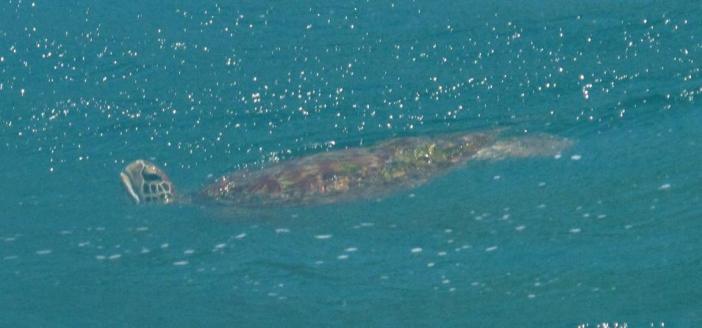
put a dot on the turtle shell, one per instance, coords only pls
(347, 174)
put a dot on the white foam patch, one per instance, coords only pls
(115, 256)
(491, 249)
(416, 250)
(322, 237)
(364, 225)
(664, 186)
(240, 236)
(180, 263)
(44, 252)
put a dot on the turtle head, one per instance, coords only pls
(147, 183)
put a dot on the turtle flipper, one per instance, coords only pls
(524, 146)
(147, 183)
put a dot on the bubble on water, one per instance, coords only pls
(342, 257)
(115, 256)
(491, 249)
(576, 157)
(664, 186)
(44, 252)
(240, 236)
(416, 250)
(180, 263)
(351, 249)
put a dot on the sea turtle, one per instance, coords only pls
(344, 174)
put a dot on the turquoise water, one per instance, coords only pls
(607, 234)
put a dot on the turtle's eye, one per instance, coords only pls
(151, 177)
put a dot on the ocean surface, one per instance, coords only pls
(605, 235)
